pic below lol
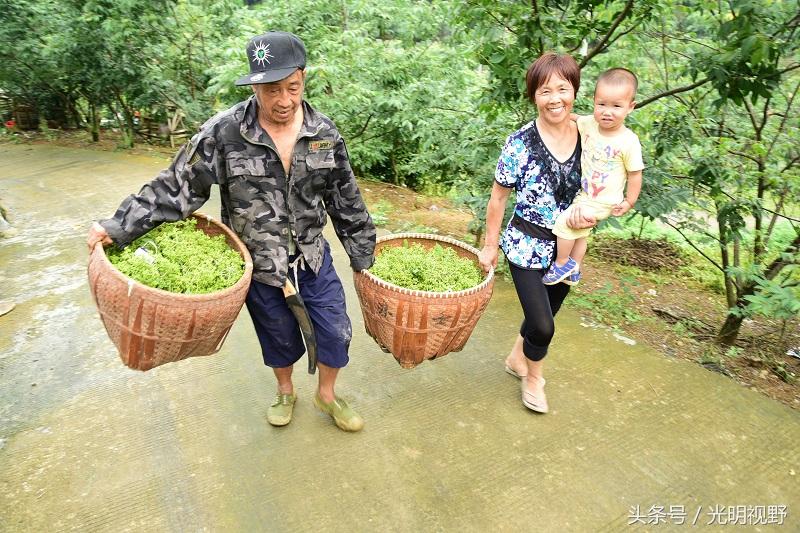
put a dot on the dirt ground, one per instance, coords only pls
(657, 304)
(680, 318)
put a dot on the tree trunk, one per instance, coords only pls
(729, 331)
(74, 118)
(730, 284)
(479, 236)
(126, 125)
(94, 126)
(130, 131)
(395, 172)
(758, 237)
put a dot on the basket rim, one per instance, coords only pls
(207, 296)
(428, 294)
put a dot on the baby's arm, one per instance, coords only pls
(631, 194)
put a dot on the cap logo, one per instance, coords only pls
(261, 53)
(272, 57)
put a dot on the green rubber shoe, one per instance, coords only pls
(280, 412)
(345, 417)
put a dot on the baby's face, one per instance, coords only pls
(612, 103)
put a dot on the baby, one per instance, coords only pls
(611, 156)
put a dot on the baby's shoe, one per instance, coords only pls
(557, 274)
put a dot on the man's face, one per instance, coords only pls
(278, 101)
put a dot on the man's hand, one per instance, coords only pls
(488, 258)
(97, 233)
(579, 219)
(621, 208)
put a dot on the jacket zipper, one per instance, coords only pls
(290, 233)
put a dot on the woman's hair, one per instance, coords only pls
(548, 64)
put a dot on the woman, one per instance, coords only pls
(541, 162)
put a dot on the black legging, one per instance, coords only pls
(540, 303)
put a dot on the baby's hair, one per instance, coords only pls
(618, 76)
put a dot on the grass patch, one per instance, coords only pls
(608, 304)
(692, 265)
(412, 227)
(380, 212)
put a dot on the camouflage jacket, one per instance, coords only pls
(263, 205)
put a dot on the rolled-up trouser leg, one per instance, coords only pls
(540, 303)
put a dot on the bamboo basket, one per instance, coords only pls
(417, 325)
(151, 327)
(26, 117)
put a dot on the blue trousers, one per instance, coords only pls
(278, 331)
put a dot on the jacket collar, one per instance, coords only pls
(252, 130)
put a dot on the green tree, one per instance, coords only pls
(400, 85)
(29, 72)
(728, 136)
(82, 58)
(511, 35)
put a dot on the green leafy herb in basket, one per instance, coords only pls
(178, 257)
(439, 269)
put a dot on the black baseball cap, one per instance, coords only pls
(273, 56)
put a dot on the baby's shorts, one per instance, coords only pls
(601, 211)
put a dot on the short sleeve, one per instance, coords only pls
(584, 122)
(632, 155)
(509, 165)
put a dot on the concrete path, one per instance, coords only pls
(87, 444)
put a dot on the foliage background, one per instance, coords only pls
(425, 92)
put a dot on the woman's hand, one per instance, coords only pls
(578, 219)
(488, 257)
(97, 234)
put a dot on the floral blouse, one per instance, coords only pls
(544, 188)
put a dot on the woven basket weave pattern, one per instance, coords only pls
(418, 325)
(151, 327)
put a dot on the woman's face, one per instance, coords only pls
(554, 99)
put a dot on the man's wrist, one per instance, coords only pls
(362, 262)
(115, 232)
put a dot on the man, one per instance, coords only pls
(280, 166)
